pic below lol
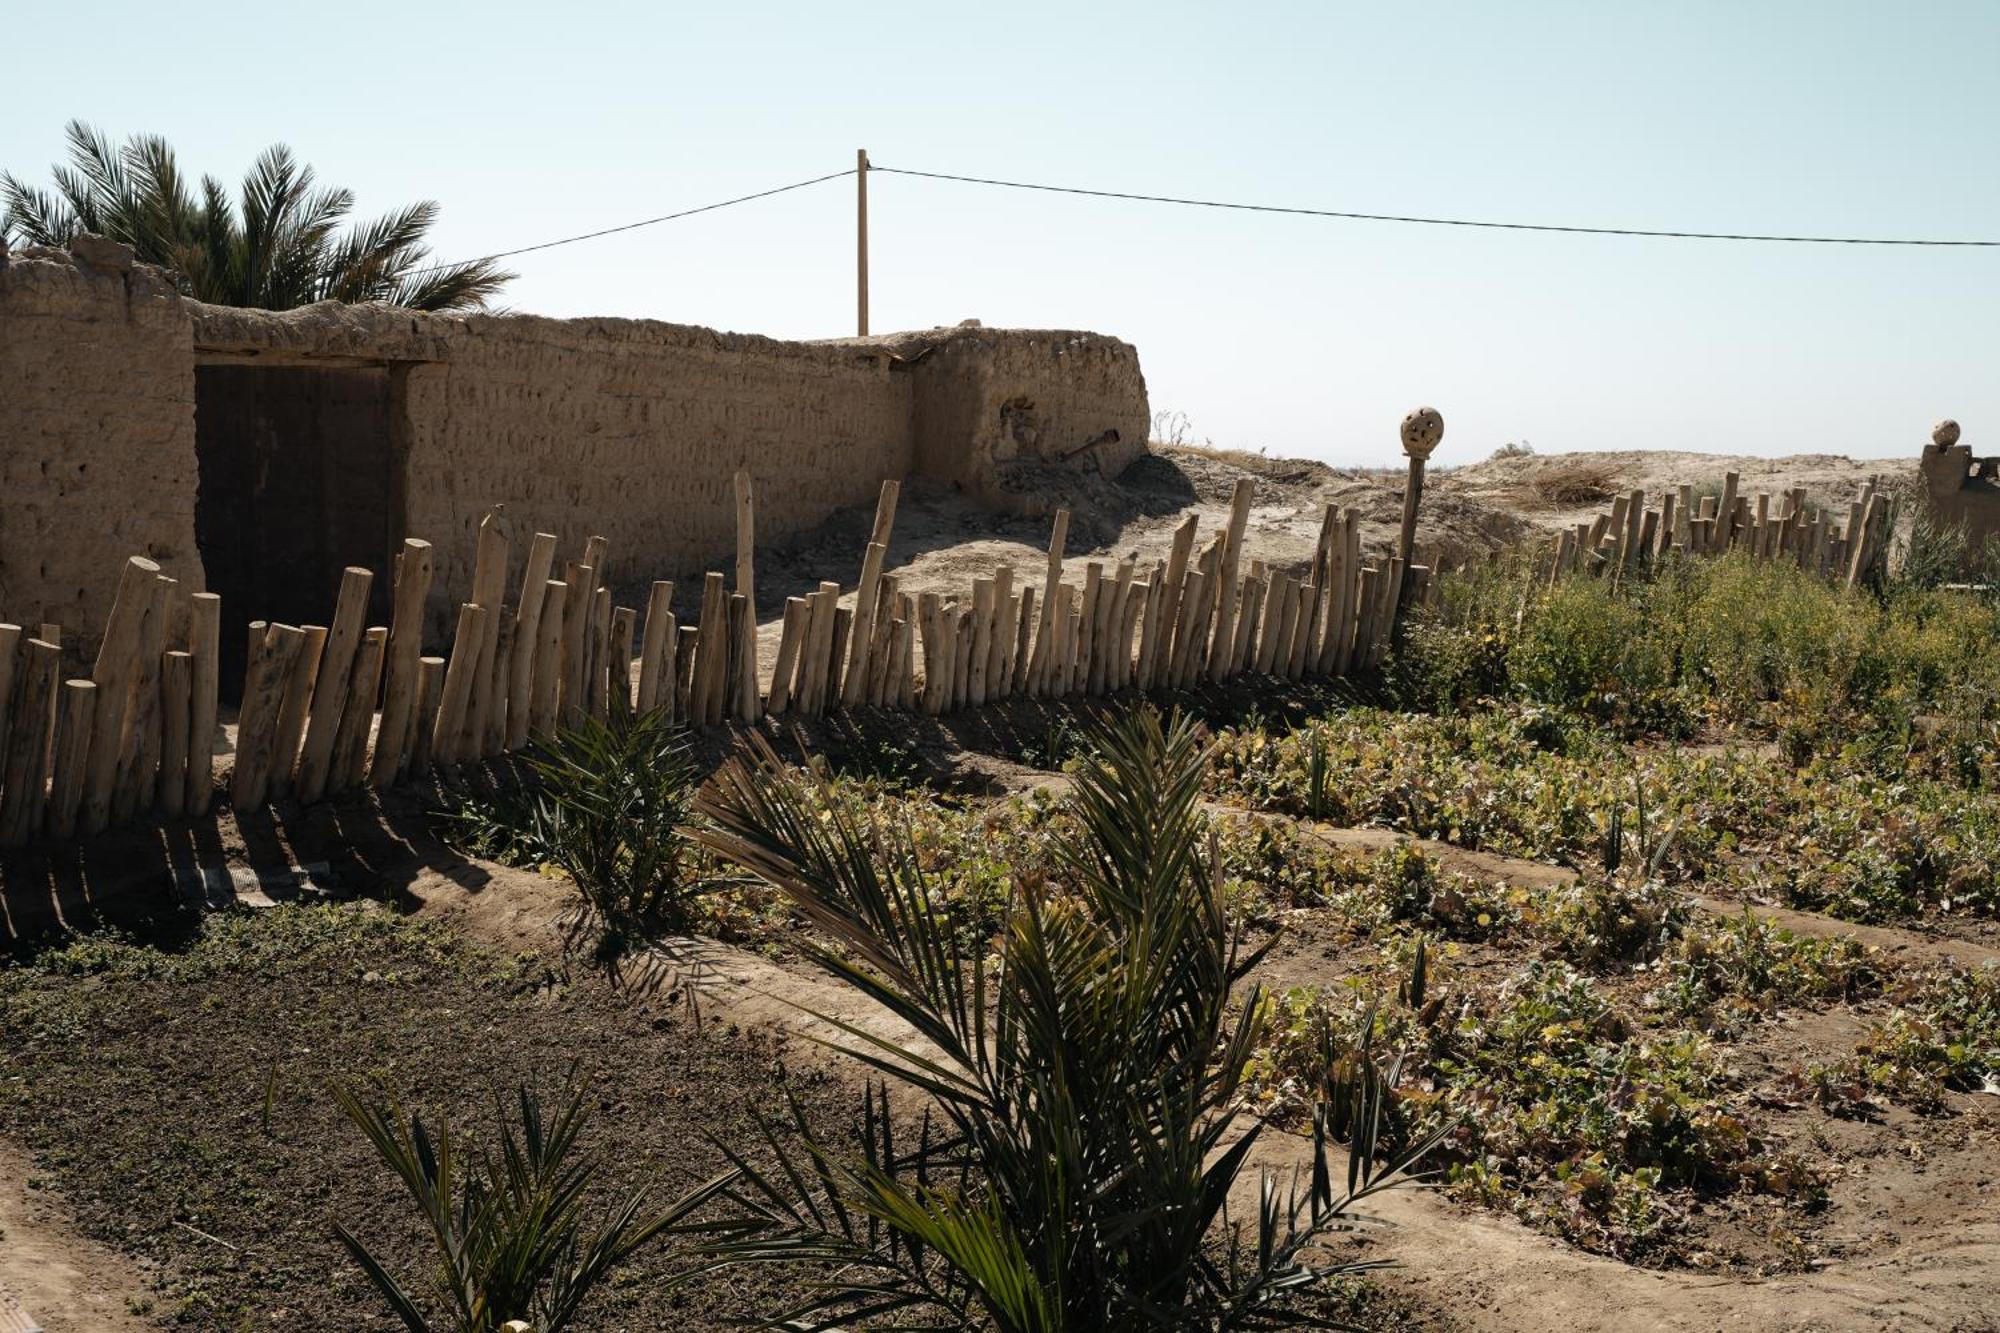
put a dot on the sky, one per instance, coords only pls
(1296, 336)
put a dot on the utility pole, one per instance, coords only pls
(861, 241)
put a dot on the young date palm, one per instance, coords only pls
(611, 810)
(278, 246)
(1085, 1080)
(508, 1225)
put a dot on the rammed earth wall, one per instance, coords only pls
(632, 429)
(97, 436)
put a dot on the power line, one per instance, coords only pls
(1223, 204)
(1429, 222)
(633, 226)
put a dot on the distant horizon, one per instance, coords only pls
(1301, 336)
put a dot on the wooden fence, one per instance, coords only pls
(1851, 546)
(328, 708)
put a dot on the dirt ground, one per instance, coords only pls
(172, 1161)
(162, 1139)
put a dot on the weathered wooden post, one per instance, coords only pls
(1422, 429)
(1225, 592)
(399, 692)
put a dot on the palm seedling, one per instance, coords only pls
(1081, 1133)
(509, 1227)
(612, 802)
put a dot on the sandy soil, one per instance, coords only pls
(49, 1274)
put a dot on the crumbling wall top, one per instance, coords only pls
(1949, 467)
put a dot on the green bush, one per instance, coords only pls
(1746, 966)
(1593, 649)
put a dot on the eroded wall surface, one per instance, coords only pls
(997, 410)
(96, 435)
(1963, 490)
(632, 429)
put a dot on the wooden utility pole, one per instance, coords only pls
(861, 242)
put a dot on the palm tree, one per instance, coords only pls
(1083, 1128)
(280, 246)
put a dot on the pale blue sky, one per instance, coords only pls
(1300, 336)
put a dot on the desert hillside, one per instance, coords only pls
(941, 542)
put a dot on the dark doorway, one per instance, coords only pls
(298, 479)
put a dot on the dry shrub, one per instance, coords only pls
(1573, 482)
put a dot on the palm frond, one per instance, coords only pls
(468, 286)
(508, 1227)
(35, 216)
(1089, 1079)
(280, 244)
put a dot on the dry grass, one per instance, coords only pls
(1243, 458)
(1572, 482)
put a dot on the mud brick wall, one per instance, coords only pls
(998, 409)
(635, 430)
(632, 429)
(1963, 491)
(97, 438)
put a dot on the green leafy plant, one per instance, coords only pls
(1746, 965)
(279, 246)
(612, 807)
(1943, 1036)
(1084, 1084)
(508, 1226)
(1935, 552)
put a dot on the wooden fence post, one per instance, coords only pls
(547, 674)
(357, 712)
(139, 760)
(448, 739)
(399, 691)
(263, 702)
(292, 711)
(521, 683)
(578, 604)
(489, 680)
(24, 802)
(1226, 589)
(331, 688)
(850, 688)
(117, 666)
(430, 693)
(1038, 669)
(656, 651)
(176, 700)
(75, 717)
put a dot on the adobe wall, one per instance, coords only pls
(96, 434)
(632, 429)
(997, 409)
(1960, 489)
